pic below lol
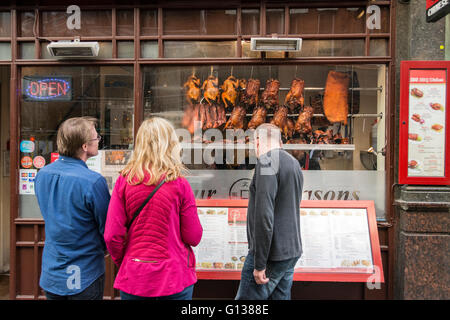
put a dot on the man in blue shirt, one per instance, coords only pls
(73, 201)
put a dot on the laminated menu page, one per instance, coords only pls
(335, 239)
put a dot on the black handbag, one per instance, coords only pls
(138, 211)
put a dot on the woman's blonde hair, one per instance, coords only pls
(157, 151)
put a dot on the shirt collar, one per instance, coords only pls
(72, 160)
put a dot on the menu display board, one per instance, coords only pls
(339, 240)
(424, 133)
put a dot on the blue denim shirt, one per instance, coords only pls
(73, 201)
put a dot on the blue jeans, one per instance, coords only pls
(93, 292)
(186, 294)
(280, 274)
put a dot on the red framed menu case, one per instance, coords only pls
(424, 143)
(339, 239)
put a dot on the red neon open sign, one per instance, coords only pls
(47, 88)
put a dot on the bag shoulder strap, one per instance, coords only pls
(138, 211)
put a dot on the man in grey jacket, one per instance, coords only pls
(273, 220)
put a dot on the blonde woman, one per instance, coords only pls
(154, 253)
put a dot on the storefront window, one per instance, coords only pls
(94, 23)
(330, 48)
(102, 92)
(125, 22)
(5, 51)
(333, 154)
(149, 22)
(26, 50)
(199, 49)
(5, 24)
(250, 21)
(327, 21)
(199, 22)
(26, 23)
(275, 21)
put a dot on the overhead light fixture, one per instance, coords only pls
(73, 49)
(275, 44)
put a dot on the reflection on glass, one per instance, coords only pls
(26, 50)
(5, 51)
(125, 49)
(149, 49)
(26, 22)
(379, 47)
(327, 20)
(149, 22)
(250, 21)
(93, 23)
(105, 50)
(125, 22)
(330, 48)
(199, 49)
(103, 92)
(384, 23)
(247, 53)
(5, 24)
(199, 22)
(275, 21)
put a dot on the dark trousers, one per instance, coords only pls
(93, 292)
(280, 274)
(186, 294)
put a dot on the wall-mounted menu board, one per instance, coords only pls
(424, 123)
(339, 240)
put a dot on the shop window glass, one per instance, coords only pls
(125, 22)
(327, 20)
(275, 21)
(149, 22)
(199, 22)
(105, 50)
(5, 24)
(330, 48)
(221, 160)
(149, 49)
(93, 23)
(26, 50)
(379, 47)
(250, 21)
(199, 49)
(247, 53)
(44, 52)
(103, 92)
(125, 49)
(384, 22)
(26, 23)
(5, 51)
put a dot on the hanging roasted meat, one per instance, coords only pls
(269, 97)
(221, 117)
(335, 102)
(258, 117)
(230, 91)
(250, 95)
(193, 89)
(298, 154)
(237, 117)
(303, 124)
(294, 98)
(281, 120)
(188, 118)
(211, 89)
(211, 116)
(323, 137)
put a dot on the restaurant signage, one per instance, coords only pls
(436, 9)
(47, 88)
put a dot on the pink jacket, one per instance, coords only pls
(156, 258)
